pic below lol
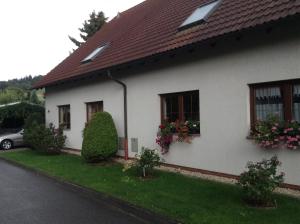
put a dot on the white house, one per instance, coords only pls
(207, 61)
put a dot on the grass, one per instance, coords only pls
(189, 200)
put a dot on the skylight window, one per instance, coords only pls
(94, 54)
(200, 14)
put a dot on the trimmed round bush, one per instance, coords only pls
(100, 138)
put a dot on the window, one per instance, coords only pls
(296, 102)
(92, 108)
(64, 116)
(269, 100)
(276, 98)
(200, 14)
(181, 107)
(94, 54)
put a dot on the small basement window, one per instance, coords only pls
(200, 14)
(94, 54)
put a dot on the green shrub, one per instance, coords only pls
(100, 138)
(147, 161)
(43, 139)
(13, 116)
(259, 182)
(37, 118)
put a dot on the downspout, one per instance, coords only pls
(125, 112)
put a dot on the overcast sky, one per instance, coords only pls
(34, 33)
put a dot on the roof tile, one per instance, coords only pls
(152, 27)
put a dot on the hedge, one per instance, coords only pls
(14, 116)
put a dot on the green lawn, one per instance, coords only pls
(187, 199)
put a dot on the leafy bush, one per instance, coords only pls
(100, 138)
(147, 161)
(15, 115)
(259, 181)
(45, 140)
(34, 118)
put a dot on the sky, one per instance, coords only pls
(34, 33)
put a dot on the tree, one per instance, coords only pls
(34, 98)
(3, 86)
(90, 27)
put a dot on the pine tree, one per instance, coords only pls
(90, 27)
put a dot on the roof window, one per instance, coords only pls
(94, 54)
(200, 15)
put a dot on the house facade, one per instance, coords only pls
(225, 82)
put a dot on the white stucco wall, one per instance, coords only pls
(109, 93)
(224, 106)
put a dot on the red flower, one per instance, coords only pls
(162, 126)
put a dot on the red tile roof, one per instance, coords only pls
(152, 27)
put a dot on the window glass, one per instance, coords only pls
(182, 108)
(296, 102)
(172, 108)
(94, 54)
(191, 106)
(92, 108)
(200, 14)
(64, 116)
(269, 101)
